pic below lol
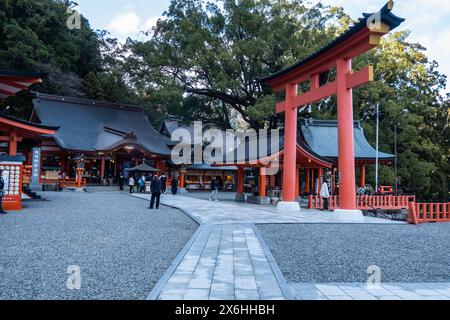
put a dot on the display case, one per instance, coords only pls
(12, 176)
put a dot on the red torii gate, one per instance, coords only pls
(360, 38)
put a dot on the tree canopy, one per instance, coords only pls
(34, 37)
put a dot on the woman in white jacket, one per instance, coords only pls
(131, 184)
(325, 194)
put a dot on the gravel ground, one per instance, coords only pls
(122, 247)
(325, 253)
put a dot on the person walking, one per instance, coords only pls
(214, 190)
(156, 192)
(131, 184)
(141, 183)
(174, 186)
(2, 193)
(121, 182)
(325, 195)
(163, 183)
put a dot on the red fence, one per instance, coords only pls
(71, 183)
(428, 212)
(366, 202)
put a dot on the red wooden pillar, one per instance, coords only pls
(102, 168)
(79, 178)
(308, 183)
(313, 181)
(297, 182)
(63, 166)
(290, 145)
(362, 170)
(262, 182)
(347, 184)
(334, 182)
(12, 146)
(160, 165)
(182, 175)
(320, 179)
(240, 180)
(272, 181)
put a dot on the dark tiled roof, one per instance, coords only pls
(322, 137)
(144, 168)
(91, 126)
(387, 17)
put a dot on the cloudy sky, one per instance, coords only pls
(428, 20)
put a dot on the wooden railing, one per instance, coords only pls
(366, 202)
(71, 183)
(428, 212)
(316, 202)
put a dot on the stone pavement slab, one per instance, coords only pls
(361, 291)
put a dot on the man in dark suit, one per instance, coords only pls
(2, 192)
(156, 189)
(163, 183)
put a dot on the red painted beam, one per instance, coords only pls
(14, 85)
(352, 47)
(20, 79)
(310, 97)
(6, 138)
(316, 94)
(281, 107)
(360, 77)
(7, 93)
(26, 127)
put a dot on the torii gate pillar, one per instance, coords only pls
(347, 182)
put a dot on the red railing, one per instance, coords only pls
(428, 212)
(366, 202)
(71, 183)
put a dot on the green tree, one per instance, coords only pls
(218, 51)
(34, 37)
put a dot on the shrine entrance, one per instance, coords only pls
(338, 55)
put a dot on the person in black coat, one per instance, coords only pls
(155, 188)
(214, 190)
(163, 183)
(121, 181)
(2, 192)
(174, 186)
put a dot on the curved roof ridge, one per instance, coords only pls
(326, 123)
(84, 101)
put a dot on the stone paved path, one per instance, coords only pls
(227, 259)
(224, 262)
(207, 212)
